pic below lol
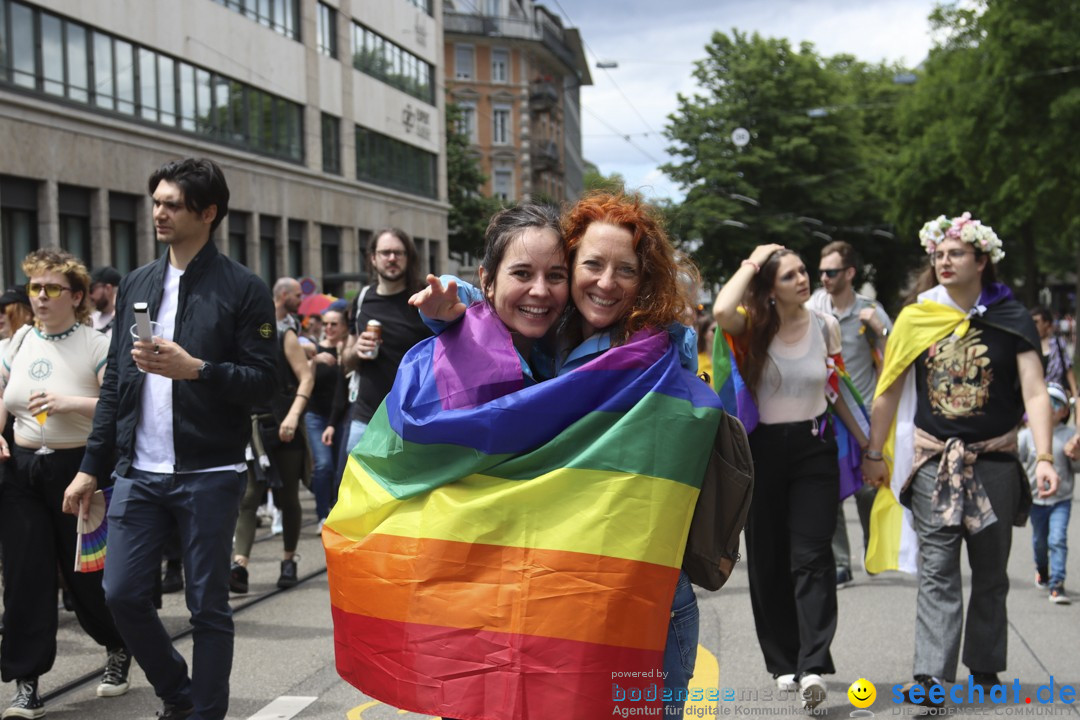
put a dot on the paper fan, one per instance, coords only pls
(92, 533)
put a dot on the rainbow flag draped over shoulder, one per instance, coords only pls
(500, 551)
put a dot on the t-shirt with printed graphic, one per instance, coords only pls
(969, 387)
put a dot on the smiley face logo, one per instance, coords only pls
(862, 693)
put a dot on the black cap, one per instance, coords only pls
(107, 275)
(16, 294)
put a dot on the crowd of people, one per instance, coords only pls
(960, 409)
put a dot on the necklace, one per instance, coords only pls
(58, 336)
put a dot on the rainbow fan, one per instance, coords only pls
(92, 534)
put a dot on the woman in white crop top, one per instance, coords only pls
(784, 351)
(55, 367)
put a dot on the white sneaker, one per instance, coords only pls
(786, 682)
(812, 689)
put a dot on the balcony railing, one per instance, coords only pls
(545, 155)
(543, 96)
(545, 33)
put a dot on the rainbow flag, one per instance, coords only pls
(92, 534)
(729, 384)
(500, 551)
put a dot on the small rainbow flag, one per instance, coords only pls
(500, 551)
(92, 533)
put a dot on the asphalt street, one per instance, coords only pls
(284, 661)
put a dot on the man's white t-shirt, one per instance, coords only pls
(154, 447)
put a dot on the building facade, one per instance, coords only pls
(325, 115)
(516, 74)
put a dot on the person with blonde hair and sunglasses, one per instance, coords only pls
(50, 378)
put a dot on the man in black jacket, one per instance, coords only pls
(174, 416)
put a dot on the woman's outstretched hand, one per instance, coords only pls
(437, 302)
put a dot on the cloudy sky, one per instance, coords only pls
(655, 43)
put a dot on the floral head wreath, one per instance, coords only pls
(961, 228)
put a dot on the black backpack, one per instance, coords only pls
(712, 546)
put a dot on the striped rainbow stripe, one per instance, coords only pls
(515, 556)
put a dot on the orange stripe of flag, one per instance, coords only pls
(498, 588)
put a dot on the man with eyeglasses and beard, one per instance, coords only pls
(864, 325)
(373, 357)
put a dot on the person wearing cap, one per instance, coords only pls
(103, 284)
(15, 311)
(961, 368)
(1050, 515)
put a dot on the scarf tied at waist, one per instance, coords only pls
(958, 496)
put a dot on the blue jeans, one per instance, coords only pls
(680, 652)
(356, 431)
(204, 507)
(1049, 532)
(322, 474)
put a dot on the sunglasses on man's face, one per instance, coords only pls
(52, 290)
(832, 273)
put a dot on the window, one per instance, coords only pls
(52, 54)
(331, 144)
(326, 30)
(397, 67)
(503, 184)
(466, 123)
(424, 5)
(23, 58)
(18, 225)
(500, 125)
(493, 8)
(122, 210)
(77, 65)
(59, 57)
(391, 163)
(464, 62)
(267, 249)
(124, 59)
(103, 74)
(500, 65)
(279, 15)
(238, 222)
(73, 205)
(296, 248)
(330, 251)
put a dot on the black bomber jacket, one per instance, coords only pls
(225, 316)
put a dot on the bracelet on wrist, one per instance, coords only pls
(751, 263)
(1045, 457)
(873, 455)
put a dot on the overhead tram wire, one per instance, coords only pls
(619, 89)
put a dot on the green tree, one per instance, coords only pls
(596, 180)
(988, 129)
(818, 151)
(469, 209)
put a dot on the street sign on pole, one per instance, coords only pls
(740, 136)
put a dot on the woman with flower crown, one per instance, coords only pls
(962, 366)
